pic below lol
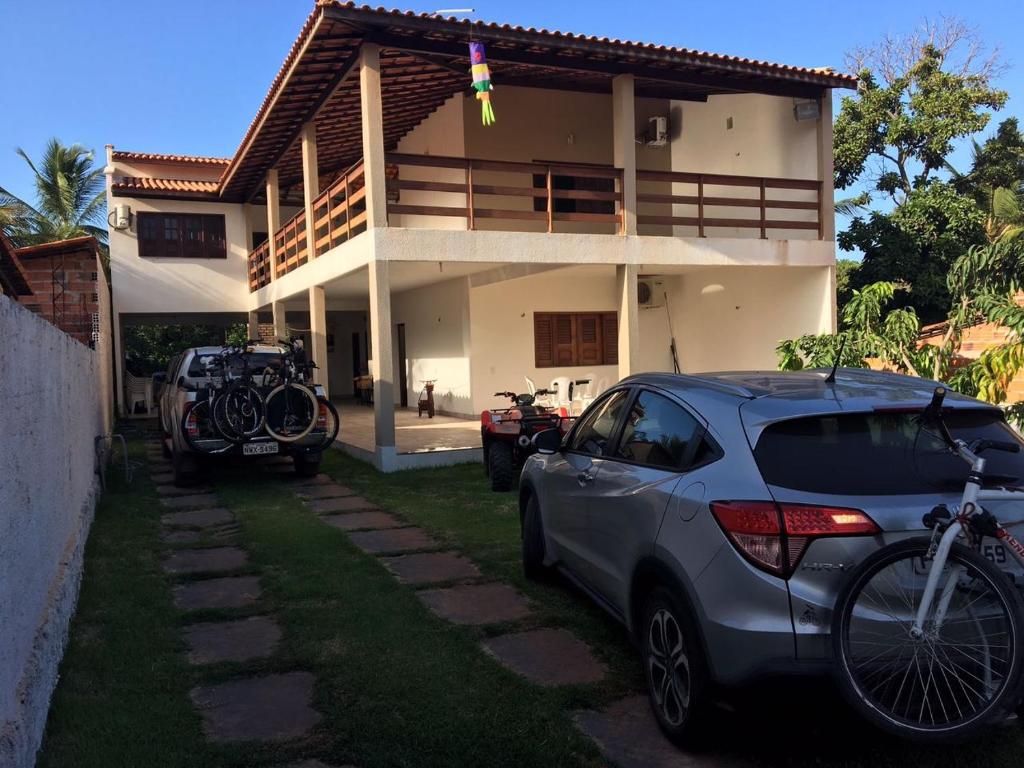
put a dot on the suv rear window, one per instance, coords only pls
(257, 362)
(880, 453)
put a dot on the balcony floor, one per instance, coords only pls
(412, 434)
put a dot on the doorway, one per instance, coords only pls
(403, 377)
(357, 363)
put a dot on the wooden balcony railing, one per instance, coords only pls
(698, 201)
(556, 192)
(339, 213)
(259, 266)
(290, 251)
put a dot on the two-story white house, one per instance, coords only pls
(628, 195)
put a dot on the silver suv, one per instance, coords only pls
(186, 374)
(717, 516)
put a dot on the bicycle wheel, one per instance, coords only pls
(239, 412)
(292, 412)
(198, 425)
(329, 421)
(962, 672)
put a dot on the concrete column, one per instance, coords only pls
(318, 334)
(254, 325)
(629, 319)
(373, 136)
(273, 218)
(624, 136)
(310, 183)
(280, 326)
(826, 170)
(383, 361)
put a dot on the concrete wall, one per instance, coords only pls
(732, 318)
(764, 140)
(437, 345)
(501, 328)
(48, 492)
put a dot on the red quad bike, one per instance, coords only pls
(507, 435)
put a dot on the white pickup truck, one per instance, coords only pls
(185, 379)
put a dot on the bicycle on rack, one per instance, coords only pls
(239, 411)
(198, 425)
(927, 633)
(293, 408)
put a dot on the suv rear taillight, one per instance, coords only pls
(775, 536)
(192, 422)
(321, 419)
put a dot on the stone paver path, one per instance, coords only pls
(268, 708)
(305, 482)
(362, 521)
(547, 657)
(342, 504)
(173, 490)
(190, 501)
(241, 640)
(476, 603)
(324, 491)
(628, 735)
(180, 537)
(396, 540)
(198, 518)
(162, 477)
(217, 559)
(431, 567)
(265, 708)
(227, 592)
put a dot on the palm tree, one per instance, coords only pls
(70, 194)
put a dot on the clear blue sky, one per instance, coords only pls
(187, 76)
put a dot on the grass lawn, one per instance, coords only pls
(396, 685)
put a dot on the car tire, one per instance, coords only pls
(306, 464)
(533, 542)
(501, 467)
(185, 468)
(680, 701)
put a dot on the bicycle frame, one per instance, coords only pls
(972, 495)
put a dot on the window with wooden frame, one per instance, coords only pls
(575, 338)
(182, 235)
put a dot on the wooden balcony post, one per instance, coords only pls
(624, 137)
(826, 171)
(764, 229)
(273, 219)
(470, 217)
(373, 136)
(551, 202)
(310, 184)
(700, 206)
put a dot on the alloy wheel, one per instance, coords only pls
(668, 667)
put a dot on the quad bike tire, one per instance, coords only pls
(501, 467)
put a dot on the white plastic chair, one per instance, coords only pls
(541, 400)
(139, 390)
(583, 394)
(560, 392)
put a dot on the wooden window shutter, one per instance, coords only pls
(610, 333)
(543, 340)
(588, 339)
(564, 340)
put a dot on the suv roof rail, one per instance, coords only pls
(689, 380)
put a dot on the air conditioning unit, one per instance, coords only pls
(650, 293)
(656, 134)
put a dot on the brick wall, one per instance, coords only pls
(64, 287)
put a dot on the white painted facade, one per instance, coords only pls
(466, 298)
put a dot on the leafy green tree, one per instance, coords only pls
(919, 95)
(846, 272)
(70, 198)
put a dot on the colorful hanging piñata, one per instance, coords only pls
(482, 80)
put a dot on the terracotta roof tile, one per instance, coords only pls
(154, 157)
(139, 184)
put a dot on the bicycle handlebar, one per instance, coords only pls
(996, 445)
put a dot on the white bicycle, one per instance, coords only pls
(927, 633)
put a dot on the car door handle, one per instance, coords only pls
(584, 478)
